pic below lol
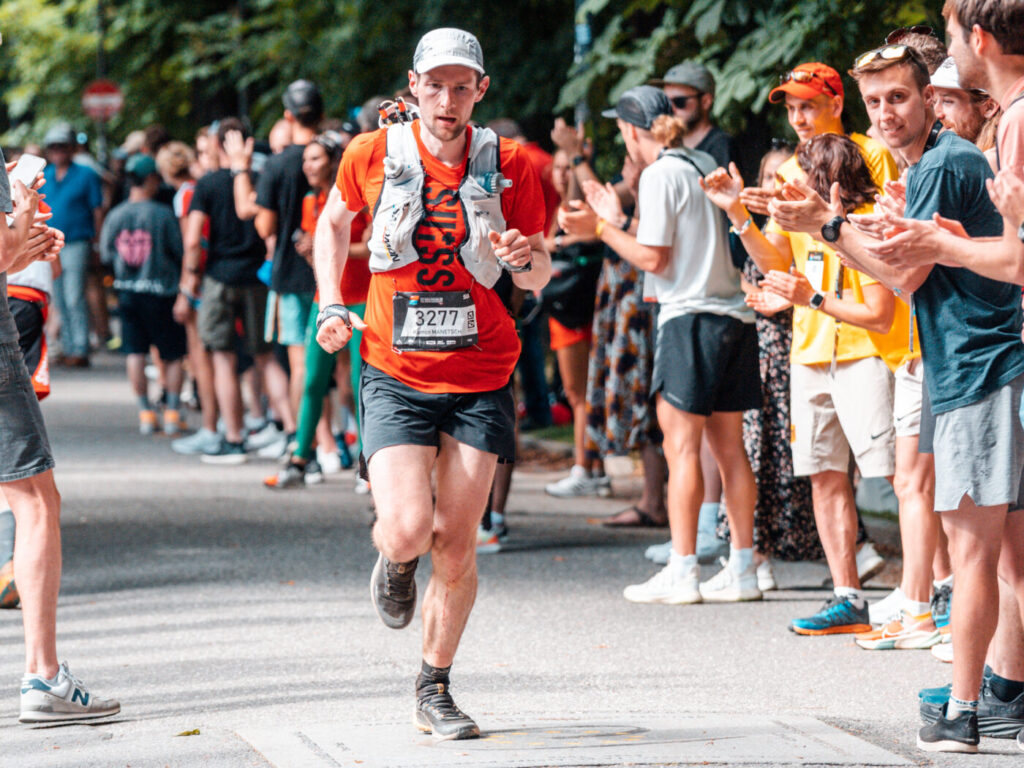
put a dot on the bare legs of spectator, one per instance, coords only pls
(655, 476)
(836, 518)
(201, 365)
(914, 483)
(278, 390)
(297, 381)
(1006, 653)
(229, 393)
(37, 566)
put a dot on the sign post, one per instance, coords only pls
(101, 100)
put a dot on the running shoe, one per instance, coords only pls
(330, 462)
(943, 652)
(8, 589)
(766, 576)
(731, 586)
(289, 476)
(488, 542)
(579, 482)
(437, 713)
(147, 422)
(65, 698)
(666, 588)
(942, 605)
(268, 433)
(959, 735)
(869, 562)
(659, 553)
(225, 453)
(393, 590)
(172, 422)
(199, 442)
(997, 719)
(837, 616)
(314, 473)
(276, 449)
(362, 487)
(905, 632)
(889, 607)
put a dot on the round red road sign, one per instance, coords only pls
(102, 99)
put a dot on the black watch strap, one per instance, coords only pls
(334, 310)
(830, 231)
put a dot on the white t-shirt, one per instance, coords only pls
(675, 212)
(38, 275)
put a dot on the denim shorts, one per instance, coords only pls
(24, 449)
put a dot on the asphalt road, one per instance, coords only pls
(205, 602)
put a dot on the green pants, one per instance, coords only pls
(319, 368)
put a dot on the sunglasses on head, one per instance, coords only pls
(886, 53)
(803, 77)
(680, 102)
(918, 29)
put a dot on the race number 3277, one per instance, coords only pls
(435, 320)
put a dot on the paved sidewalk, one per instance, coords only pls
(208, 603)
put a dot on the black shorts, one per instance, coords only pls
(30, 317)
(148, 321)
(393, 413)
(705, 363)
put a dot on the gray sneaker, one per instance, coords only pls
(437, 713)
(200, 442)
(43, 701)
(393, 591)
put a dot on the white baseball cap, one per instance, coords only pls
(448, 46)
(947, 76)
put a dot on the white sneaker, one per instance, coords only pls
(659, 553)
(603, 486)
(362, 486)
(731, 586)
(869, 562)
(578, 483)
(487, 541)
(943, 652)
(664, 587)
(274, 449)
(766, 576)
(66, 699)
(882, 611)
(330, 461)
(261, 438)
(203, 441)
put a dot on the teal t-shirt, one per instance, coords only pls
(969, 325)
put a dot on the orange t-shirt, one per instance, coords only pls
(487, 365)
(355, 280)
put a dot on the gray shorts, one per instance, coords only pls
(24, 449)
(979, 451)
(223, 306)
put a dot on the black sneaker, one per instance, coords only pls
(437, 713)
(225, 453)
(997, 719)
(959, 735)
(393, 591)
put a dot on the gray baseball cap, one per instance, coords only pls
(62, 134)
(640, 105)
(448, 46)
(691, 73)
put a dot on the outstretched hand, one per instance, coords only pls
(723, 187)
(239, 150)
(604, 200)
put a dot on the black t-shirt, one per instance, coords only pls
(718, 144)
(281, 187)
(235, 251)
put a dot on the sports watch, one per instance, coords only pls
(817, 299)
(334, 310)
(830, 232)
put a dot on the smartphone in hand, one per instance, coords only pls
(28, 167)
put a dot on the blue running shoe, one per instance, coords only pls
(837, 617)
(941, 605)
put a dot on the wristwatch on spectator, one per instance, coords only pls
(578, 160)
(830, 231)
(334, 310)
(816, 300)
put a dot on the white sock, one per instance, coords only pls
(681, 564)
(915, 608)
(957, 707)
(853, 595)
(740, 559)
(946, 582)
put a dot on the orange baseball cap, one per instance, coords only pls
(805, 81)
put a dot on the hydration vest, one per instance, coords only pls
(400, 210)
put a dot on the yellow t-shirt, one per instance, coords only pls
(814, 332)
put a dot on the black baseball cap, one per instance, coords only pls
(640, 105)
(302, 98)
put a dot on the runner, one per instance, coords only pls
(438, 345)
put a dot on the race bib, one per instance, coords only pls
(435, 320)
(815, 269)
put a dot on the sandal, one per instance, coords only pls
(632, 517)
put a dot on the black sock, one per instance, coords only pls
(1005, 690)
(429, 677)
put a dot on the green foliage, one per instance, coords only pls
(186, 62)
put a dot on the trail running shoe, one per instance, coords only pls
(289, 476)
(666, 588)
(8, 590)
(437, 713)
(730, 586)
(997, 719)
(905, 632)
(393, 590)
(885, 610)
(959, 735)
(65, 699)
(488, 542)
(837, 616)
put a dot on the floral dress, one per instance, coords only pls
(620, 415)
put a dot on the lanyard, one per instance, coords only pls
(932, 138)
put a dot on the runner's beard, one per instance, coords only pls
(444, 131)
